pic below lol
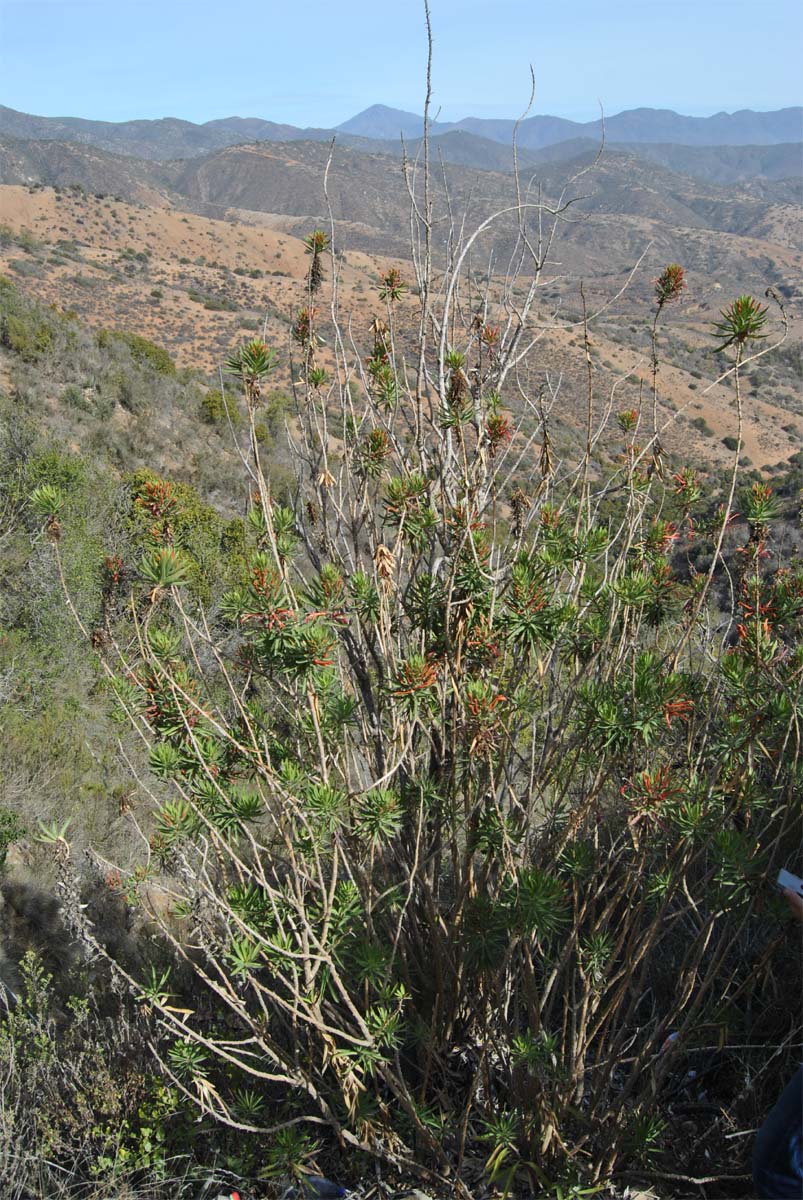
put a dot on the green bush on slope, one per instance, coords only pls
(480, 789)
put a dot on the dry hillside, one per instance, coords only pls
(198, 284)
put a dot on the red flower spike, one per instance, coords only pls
(669, 284)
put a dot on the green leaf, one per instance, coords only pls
(52, 833)
(244, 956)
(252, 361)
(165, 643)
(166, 760)
(539, 902)
(742, 321)
(187, 1058)
(166, 567)
(47, 500)
(379, 816)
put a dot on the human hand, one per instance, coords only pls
(795, 903)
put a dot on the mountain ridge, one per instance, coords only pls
(172, 137)
(773, 172)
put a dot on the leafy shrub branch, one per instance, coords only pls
(467, 791)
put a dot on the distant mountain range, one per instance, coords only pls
(636, 125)
(172, 138)
(371, 205)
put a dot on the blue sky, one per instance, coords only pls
(319, 62)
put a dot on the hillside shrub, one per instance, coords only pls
(142, 350)
(213, 303)
(12, 828)
(163, 513)
(29, 339)
(468, 792)
(23, 238)
(215, 412)
(74, 397)
(24, 330)
(81, 1107)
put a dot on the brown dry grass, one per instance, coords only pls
(103, 229)
(98, 288)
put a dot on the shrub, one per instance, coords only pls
(214, 411)
(25, 267)
(25, 335)
(220, 304)
(213, 303)
(73, 396)
(66, 472)
(83, 1108)
(24, 239)
(142, 351)
(470, 812)
(164, 514)
(24, 330)
(12, 828)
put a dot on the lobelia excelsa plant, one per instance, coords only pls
(669, 287)
(463, 808)
(316, 245)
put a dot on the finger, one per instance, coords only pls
(795, 903)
